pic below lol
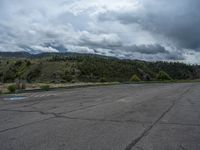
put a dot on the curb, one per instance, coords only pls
(60, 88)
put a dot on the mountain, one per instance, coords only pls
(4, 55)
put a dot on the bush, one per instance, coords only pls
(34, 73)
(9, 75)
(73, 81)
(45, 87)
(28, 63)
(23, 86)
(68, 77)
(12, 88)
(18, 63)
(163, 76)
(135, 78)
(103, 79)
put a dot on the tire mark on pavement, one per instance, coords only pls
(106, 120)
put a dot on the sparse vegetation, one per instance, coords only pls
(103, 79)
(12, 88)
(28, 63)
(135, 78)
(68, 77)
(45, 87)
(163, 76)
(33, 73)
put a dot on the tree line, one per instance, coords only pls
(92, 68)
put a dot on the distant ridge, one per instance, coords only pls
(49, 54)
(15, 54)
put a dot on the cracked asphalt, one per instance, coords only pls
(117, 117)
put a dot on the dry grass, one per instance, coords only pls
(35, 86)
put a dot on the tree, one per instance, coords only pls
(34, 73)
(135, 78)
(28, 63)
(163, 76)
(68, 77)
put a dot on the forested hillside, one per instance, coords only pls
(70, 67)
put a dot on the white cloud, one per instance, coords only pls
(44, 49)
(102, 27)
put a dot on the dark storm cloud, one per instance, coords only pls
(56, 45)
(147, 49)
(178, 21)
(113, 44)
(97, 41)
(175, 56)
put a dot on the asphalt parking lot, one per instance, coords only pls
(117, 117)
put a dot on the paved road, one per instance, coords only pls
(120, 117)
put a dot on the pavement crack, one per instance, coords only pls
(30, 123)
(90, 106)
(180, 124)
(190, 102)
(94, 105)
(139, 148)
(147, 130)
(30, 105)
(103, 120)
(182, 147)
(32, 111)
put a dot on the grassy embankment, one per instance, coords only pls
(69, 70)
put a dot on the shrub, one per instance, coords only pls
(68, 77)
(73, 81)
(34, 73)
(163, 76)
(9, 75)
(23, 86)
(45, 87)
(135, 78)
(103, 79)
(12, 88)
(18, 63)
(28, 63)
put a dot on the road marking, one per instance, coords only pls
(38, 95)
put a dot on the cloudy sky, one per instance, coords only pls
(134, 29)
